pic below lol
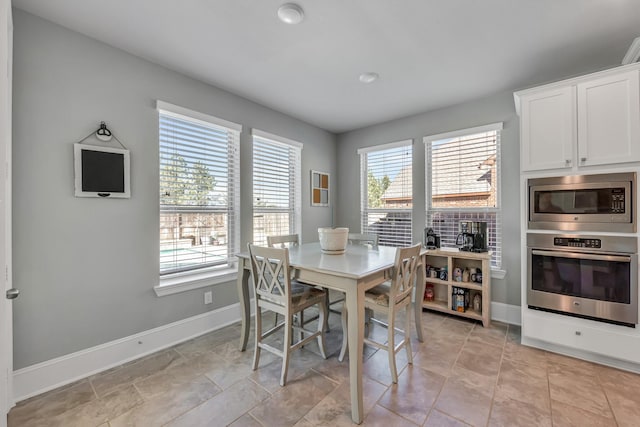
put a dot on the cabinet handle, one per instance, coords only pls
(567, 162)
(583, 159)
(578, 333)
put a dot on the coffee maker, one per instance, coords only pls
(472, 236)
(430, 239)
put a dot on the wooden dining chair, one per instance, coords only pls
(287, 241)
(389, 298)
(354, 239)
(363, 239)
(275, 290)
(283, 241)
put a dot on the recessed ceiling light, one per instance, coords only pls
(290, 13)
(369, 77)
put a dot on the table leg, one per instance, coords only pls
(243, 295)
(417, 304)
(355, 308)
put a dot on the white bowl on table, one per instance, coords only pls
(333, 240)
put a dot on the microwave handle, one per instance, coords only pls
(620, 258)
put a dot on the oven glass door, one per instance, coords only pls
(591, 276)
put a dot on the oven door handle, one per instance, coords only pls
(620, 258)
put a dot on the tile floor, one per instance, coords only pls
(463, 374)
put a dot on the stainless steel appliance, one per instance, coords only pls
(595, 277)
(603, 202)
(430, 239)
(472, 236)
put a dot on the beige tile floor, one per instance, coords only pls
(463, 374)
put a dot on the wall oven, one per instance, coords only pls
(602, 202)
(594, 277)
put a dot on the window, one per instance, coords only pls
(276, 186)
(386, 192)
(462, 182)
(199, 191)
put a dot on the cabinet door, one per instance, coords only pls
(609, 120)
(547, 129)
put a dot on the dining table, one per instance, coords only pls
(353, 272)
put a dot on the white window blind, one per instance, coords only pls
(386, 192)
(276, 187)
(462, 181)
(199, 191)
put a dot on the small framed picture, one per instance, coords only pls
(319, 188)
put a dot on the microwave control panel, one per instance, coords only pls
(575, 242)
(617, 200)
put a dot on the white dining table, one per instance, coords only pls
(360, 268)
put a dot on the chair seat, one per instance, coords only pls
(378, 295)
(301, 294)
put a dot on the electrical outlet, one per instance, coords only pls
(208, 297)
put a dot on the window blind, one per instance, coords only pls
(387, 192)
(462, 181)
(199, 193)
(276, 188)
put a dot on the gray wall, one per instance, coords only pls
(86, 267)
(498, 108)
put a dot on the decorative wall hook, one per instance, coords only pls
(103, 133)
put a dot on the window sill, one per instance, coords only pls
(182, 282)
(498, 274)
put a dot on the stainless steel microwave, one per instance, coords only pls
(604, 202)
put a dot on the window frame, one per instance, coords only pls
(497, 210)
(365, 210)
(295, 193)
(180, 281)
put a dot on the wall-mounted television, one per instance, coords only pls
(101, 171)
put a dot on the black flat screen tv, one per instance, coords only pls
(101, 171)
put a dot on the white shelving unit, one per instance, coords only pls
(451, 259)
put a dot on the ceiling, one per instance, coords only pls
(429, 53)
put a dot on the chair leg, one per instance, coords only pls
(391, 344)
(323, 315)
(301, 324)
(286, 349)
(345, 342)
(368, 314)
(407, 335)
(327, 304)
(258, 333)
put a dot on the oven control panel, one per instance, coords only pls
(576, 242)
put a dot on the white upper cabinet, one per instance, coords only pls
(609, 120)
(547, 129)
(581, 122)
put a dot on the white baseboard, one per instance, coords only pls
(54, 373)
(48, 375)
(506, 313)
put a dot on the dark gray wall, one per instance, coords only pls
(497, 108)
(86, 267)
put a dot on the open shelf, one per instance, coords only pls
(442, 289)
(444, 307)
(436, 305)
